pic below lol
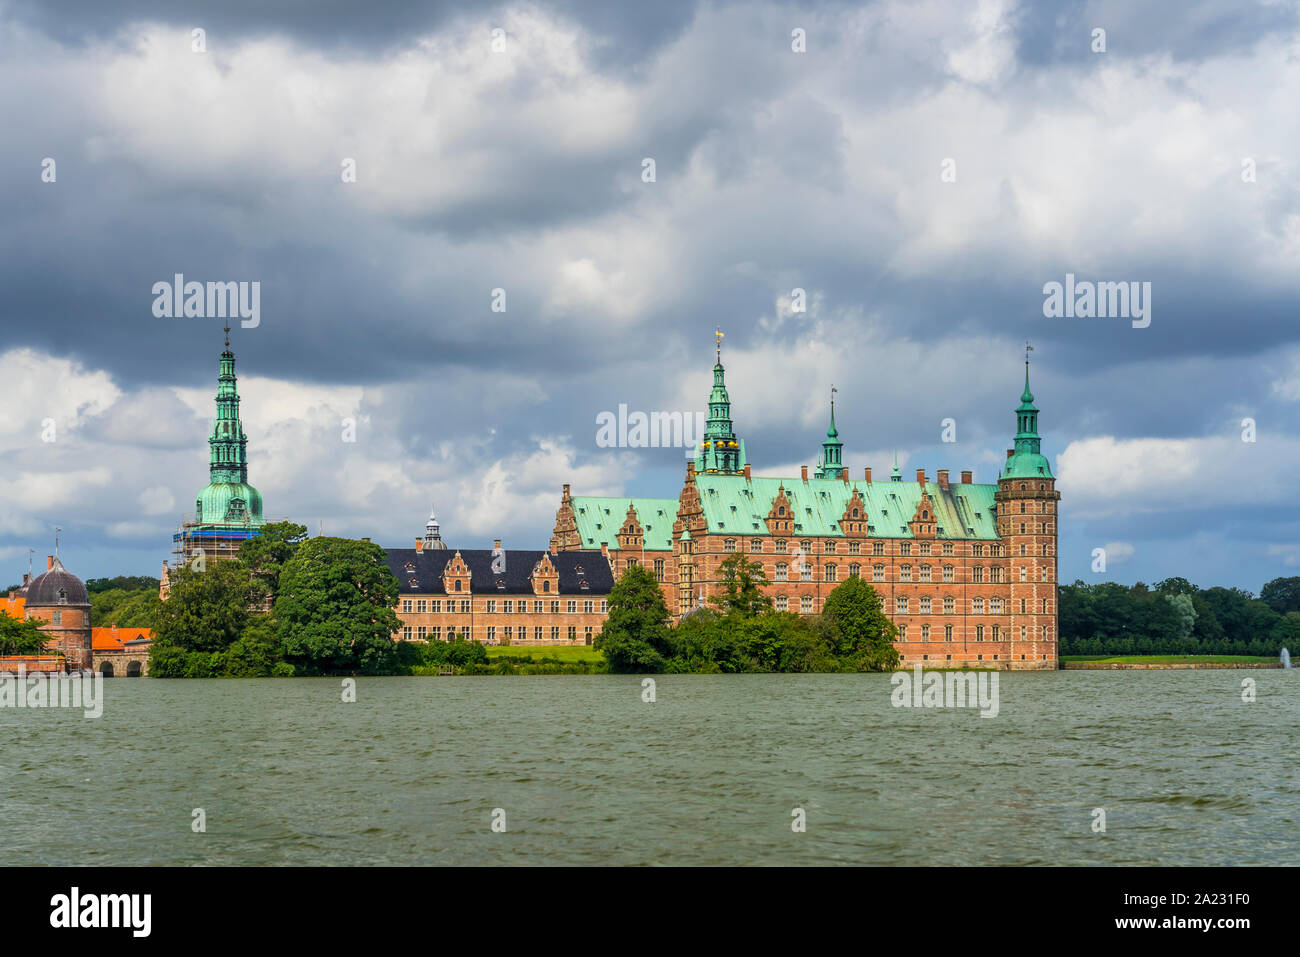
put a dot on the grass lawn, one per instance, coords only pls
(538, 652)
(1172, 659)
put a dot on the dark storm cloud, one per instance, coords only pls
(623, 32)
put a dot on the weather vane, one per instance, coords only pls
(227, 333)
(717, 334)
(1028, 349)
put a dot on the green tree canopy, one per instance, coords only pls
(742, 587)
(265, 554)
(205, 610)
(1282, 595)
(335, 612)
(634, 635)
(859, 628)
(21, 636)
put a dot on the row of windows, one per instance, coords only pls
(924, 573)
(994, 606)
(995, 634)
(507, 607)
(508, 633)
(831, 546)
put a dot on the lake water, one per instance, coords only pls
(588, 773)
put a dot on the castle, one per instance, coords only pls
(967, 571)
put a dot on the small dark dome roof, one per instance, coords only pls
(58, 586)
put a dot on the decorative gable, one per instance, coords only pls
(631, 535)
(923, 519)
(781, 515)
(455, 576)
(566, 534)
(545, 578)
(854, 520)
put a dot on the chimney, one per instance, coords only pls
(920, 477)
(844, 474)
(604, 549)
(965, 476)
(49, 562)
(867, 475)
(419, 545)
(690, 466)
(803, 472)
(746, 471)
(943, 479)
(1010, 452)
(566, 490)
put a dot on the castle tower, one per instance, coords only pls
(432, 534)
(1027, 524)
(831, 464)
(720, 452)
(58, 600)
(228, 510)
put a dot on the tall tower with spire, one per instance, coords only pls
(720, 451)
(228, 510)
(432, 534)
(831, 465)
(1027, 525)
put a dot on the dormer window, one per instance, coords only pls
(501, 584)
(458, 584)
(63, 597)
(412, 582)
(583, 584)
(410, 566)
(546, 586)
(579, 569)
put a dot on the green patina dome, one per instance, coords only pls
(1027, 460)
(228, 499)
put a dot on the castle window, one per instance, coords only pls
(457, 583)
(782, 603)
(780, 546)
(855, 571)
(56, 618)
(977, 606)
(925, 632)
(905, 548)
(905, 573)
(806, 572)
(925, 548)
(925, 606)
(63, 597)
(925, 515)
(755, 544)
(877, 548)
(924, 573)
(947, 548)
(949, 605)
(806, 546)
(781, 510)
(854, 547)
(546, 585)
(806, 605)
(780, 572)
(977, 574)
(947, 634)
(831, 573)
(947, 573)
(877, 573)
(729, 545)
(900, 606)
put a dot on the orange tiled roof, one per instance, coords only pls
(110, 638)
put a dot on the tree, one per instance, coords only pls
(1176, 586)
(266, 553)
(859, 627)
(1181, 602)
(335, 607)
(205, 610)
(742, 587)
(1282, 595)
(21, 636)
(634, 635)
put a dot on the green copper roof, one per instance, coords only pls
(1027, 460)
(228, 499)
(599, 519)
(734, 504)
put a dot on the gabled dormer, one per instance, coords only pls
(455, 576)
(545, 578)
(853, 522)
(923, 521)
(631, 536)
(780, 517)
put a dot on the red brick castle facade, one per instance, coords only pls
(967, 572)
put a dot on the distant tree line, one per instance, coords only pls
(1176, 617)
